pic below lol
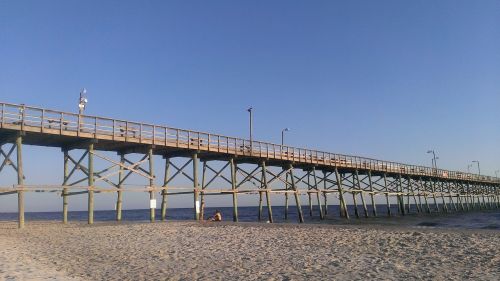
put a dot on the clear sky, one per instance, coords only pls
(382, 79)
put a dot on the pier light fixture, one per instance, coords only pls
(250, 110)
(82, 102)
(496, 173)
(478, 167)
(283, 135)
(434, 158)
(468, 168)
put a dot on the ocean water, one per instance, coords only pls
(487, 219)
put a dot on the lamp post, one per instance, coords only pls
(283, 135)
(478, 167)
(468, 168)
(82, 102)
(250, 109)
(496, 173)
(434, 164)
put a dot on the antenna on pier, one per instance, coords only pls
(83, 100)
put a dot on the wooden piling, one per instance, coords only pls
(434, 195)
(164, 191)
(119, 195)
(424, 185)
(400, 196)
(325, 194)
(268, 195)
(355, 203)
(320, 207)
(90, 207)
(445, 205)
(65, 188)
(152, 200)
(286, 195)
(296, 195)
(343, 206)
(365, 209)
(372, 195)
(196, 202)
(202, 194)
(387, 202)
(234, 189)
(309, 194)
(20, 181)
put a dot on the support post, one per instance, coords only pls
(196, 201)
(318, 197)
(90, 207)
(268, 195)
(119, 196)
(286, 195)
(325, 194)
(387, 202)
(400, 197)
(356, 213)
(434, 195)
(65, 188)
(235, 194)
(259, 216)
(309, 193)
(164, 191)
(362, 194)
(152, 200)
(419, 198)
(202, 194)
(20, 181)
(372, 196)
(410, 188)
(343, 206)
(296, 195)
(424, 185)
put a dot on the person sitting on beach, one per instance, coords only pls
(217, 216)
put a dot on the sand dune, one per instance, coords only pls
(248, 251)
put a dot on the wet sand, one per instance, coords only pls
(246, 251)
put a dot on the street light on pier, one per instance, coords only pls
(434, 164)
(496, 173)
(82, 101)
(478, 167)
(283, 135)
(250, 109)
(468, 168)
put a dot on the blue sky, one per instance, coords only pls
(382, 79)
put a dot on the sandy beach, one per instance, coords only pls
(245, 251)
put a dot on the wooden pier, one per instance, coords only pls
(246, 167)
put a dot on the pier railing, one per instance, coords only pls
(39, 120)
